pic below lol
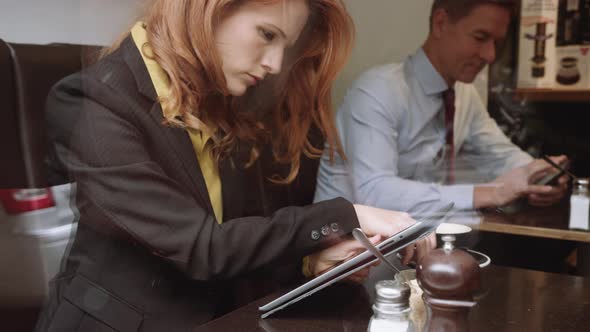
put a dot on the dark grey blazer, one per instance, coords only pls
(148, 254)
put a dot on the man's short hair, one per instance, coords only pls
(458, 9)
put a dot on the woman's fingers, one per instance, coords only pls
(408, 254)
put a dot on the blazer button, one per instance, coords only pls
(325, 230)
(335, 227)
(315, 235)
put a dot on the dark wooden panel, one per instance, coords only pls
(18, 319)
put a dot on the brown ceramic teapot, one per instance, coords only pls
(449, 277)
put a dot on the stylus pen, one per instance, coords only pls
(552, 163)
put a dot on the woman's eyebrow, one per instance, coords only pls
(281, 32)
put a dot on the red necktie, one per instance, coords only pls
(449, 100)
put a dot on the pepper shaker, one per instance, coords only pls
(449, 277)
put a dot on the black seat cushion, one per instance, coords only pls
(27, 73)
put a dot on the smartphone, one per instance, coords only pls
(552, 178)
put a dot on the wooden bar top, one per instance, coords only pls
(550, 222)
(512, 300)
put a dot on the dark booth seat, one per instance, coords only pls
(27, 73)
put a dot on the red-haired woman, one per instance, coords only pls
(177, 187)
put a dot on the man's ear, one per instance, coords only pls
(440, 22)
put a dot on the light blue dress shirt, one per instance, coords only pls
(391, 124)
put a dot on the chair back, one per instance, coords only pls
(27, 73)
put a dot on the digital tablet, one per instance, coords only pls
(424, 226)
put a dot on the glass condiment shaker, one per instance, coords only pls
(580, 205)
(391, 310)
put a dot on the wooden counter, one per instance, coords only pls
(513, 300)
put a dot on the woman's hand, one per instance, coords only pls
(323, 260)
(414, 253)
(375, 221)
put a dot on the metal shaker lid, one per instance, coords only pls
(393, 296)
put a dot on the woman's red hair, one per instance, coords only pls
(180, 33)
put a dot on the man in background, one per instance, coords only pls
(405, 127)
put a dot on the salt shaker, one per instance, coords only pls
(580, 205)
(391, 311)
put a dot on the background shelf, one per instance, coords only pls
(551, 95)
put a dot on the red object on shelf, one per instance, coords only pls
(17, 201)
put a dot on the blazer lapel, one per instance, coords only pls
(177, 138)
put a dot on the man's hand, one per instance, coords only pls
(516, 183)
(557, 191)
(519, 182)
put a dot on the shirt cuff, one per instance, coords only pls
(461, 195)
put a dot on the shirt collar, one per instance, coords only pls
(427, 76)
